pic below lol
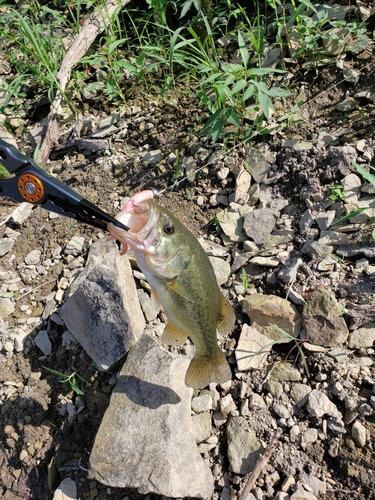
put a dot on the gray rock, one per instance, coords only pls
(324, 220)
(102, 310)
(231, 222)
(266, 310)
(302, 494)
(43, 342)
(289, 272)
(202, 426)
(22, 212)
(330, 237)
(213, 249)
(323, 320)
(347, 104)
(351, 75)
(75, 245)
(243, 446)
(241, 192)
(104, 132)
(306, 221)
(299, 393)
(319, 404)
(364, 336)
(252, 349)
(67, 490)
(148, 425)
(366, 249)
(6, 244)
(259, 224)
(33, 257)
(258, 164)
(359, 434)
(265, 261)
(6, 306)
(152, 157)
(202, 403)
(221, 269)
(286, 372)
(316, 250)
(148, 307)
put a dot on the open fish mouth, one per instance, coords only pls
(141, 219)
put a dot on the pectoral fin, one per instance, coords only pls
(180, 290)
(225, 322)
(173, 336)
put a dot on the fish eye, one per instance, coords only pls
(168, 228)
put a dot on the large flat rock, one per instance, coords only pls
(102, 310)
(145, 440)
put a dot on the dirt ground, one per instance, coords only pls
(39, 445)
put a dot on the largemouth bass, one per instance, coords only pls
(182, 281)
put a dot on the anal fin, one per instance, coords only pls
(173, 336)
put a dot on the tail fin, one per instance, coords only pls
(204, 370)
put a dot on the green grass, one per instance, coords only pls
(169, 42)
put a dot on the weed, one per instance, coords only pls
(245, 282)
(337, 193)
(297, 344)
(73, 379)
(353, 213)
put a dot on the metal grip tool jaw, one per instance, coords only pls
(32, 184)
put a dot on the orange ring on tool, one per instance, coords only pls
(27, 183)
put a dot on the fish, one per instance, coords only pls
(182, 281)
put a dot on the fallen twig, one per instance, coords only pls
(36, 288)
(91, 28)
(262, 460)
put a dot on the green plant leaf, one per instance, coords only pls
(232, 117)
(243, 49)
(351, 214)
(365, 173)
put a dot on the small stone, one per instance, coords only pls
(75, 245)
(22, 212)
(347, 105)
(363, 336)
(43, 342)
(202, 426)
(252, 350)
(286, 372)
(316, 250)
(227, 405)
(299, 393)
(351, 75)
(319, 405)
(66, 491)
(274, 387)
(221, 269)
(243, 181)
(266, 310)
(259, 224)
(359, 434)
(243, 446)
(323, 319)
(33, 257)
(289, 272)
(202, 403)
(6, 306)
(6, 244)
